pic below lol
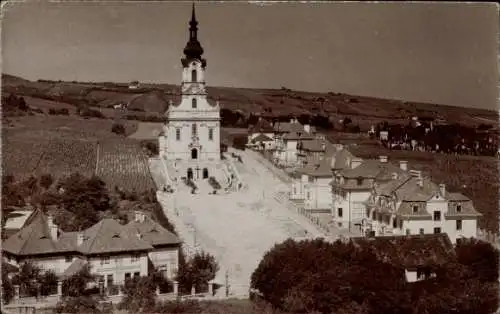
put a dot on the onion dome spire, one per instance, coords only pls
(193, 49)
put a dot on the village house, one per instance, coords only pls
(287, 137)
(418, 256)
(314, 150)
(412, 204)
(352, 186)
(261, 135)
(113, 251)
(311, 187)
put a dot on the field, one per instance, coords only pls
(475, 177)
(60, 145)
(124, 164)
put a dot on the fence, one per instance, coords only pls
(282, 197)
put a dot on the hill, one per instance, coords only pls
(153, 98)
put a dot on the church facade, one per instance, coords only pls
(191, 135)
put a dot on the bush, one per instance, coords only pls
(118, 128)
(91, 113)
(46, 180)
(139, 294)
(78, 304)
(240, 142)
(213, 182)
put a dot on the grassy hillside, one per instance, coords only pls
(153, 98)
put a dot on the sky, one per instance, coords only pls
(441, 53)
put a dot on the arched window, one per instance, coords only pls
(193, 103)
(194, 75)
(193, 129)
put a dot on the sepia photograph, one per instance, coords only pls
(250, 157)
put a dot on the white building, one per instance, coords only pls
(191, 136)
(113, 251)
(287, 137)
(411, 204)
(352, 186)
(261, 134)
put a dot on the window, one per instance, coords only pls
(210, 134)
(135, 258)
(394, 223)
(339, 211)
(137, 274)
(437, 230)
(194, 75)
(408, 231)
(359, 181)
(437, 215)
(459, 224)
(105, 260)
(69, 259)
(294, 190)
(194, 130)
(127, 276)
(177, 134)
(421, 230)
(308, 195)
(110, 280)
(193, 103)
(459, 208)
(415, 209)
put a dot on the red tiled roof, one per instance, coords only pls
(152, 232)
(261, 138)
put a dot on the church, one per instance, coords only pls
(191, 136)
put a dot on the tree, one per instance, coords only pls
(7, 286)
(480, 258)
(240, 141)
(27, 278)
(139, 294)
(48, 282)
(196, 271)
(76, 285)
(118, 128)
(46, 180)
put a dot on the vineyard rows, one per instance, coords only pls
(124, 164)
(23, 157)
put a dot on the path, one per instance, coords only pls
(238, 228)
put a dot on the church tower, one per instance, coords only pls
(192, 131)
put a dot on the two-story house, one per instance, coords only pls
(352, 186)
(314, 150)
(287, 138)
(413, 204)
(113, 251)
(418, 256)
(311, 186)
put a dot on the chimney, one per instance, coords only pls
(323, 146)
(355, 162)
(79, 238)
(403, 165)
(394, 176)
(139, 216)
(442, 189)
(383, 158)
(138, 235)
(52, 227)
(307, 128)
(420, 182)
(292, 120)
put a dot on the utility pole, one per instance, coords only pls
(227, 283)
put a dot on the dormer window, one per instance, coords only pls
(359, 180)
(415, 209)
(459, 208)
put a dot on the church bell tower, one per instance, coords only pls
(193, 126)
